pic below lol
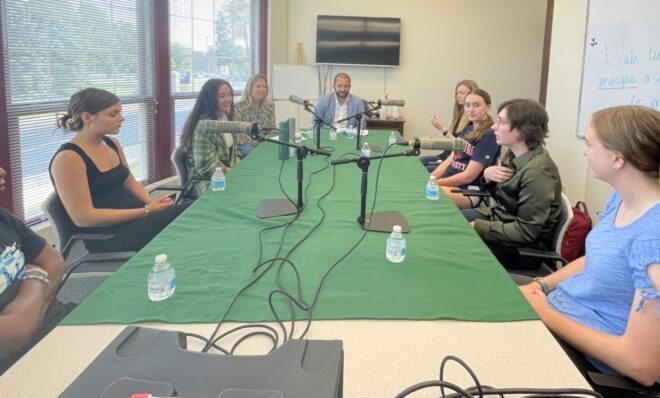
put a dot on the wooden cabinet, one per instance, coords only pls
(386, 124)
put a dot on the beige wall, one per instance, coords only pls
(497, 43)
(564, 77)
(442, 42)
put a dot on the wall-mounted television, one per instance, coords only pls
(358, 40)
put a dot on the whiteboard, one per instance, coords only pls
(300, 80)
(621, 57)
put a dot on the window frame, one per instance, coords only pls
(160, 166)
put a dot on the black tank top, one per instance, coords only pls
(106, 187)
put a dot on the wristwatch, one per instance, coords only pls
(544, 285)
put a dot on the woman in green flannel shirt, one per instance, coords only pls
(205, 148)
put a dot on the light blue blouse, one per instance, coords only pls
(617, 261)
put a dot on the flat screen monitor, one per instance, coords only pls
(358, 40)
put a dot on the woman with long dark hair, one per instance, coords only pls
(205, 148)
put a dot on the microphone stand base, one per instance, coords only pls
(383, 221)
(276, 207)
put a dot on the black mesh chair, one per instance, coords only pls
(179, 161)
(66, 238)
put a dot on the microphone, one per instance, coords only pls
(389, 102)
(219, 127)
(456, 144)
(297, 100)
(342, 161)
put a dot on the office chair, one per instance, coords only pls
(552, 257)
(179, 161)
(66, 237)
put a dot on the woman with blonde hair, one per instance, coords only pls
(458, 118)
(607, 303)
(459, 121)
(255, 107)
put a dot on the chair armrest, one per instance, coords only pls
(103, 258)
(623, 383)
(471, 192)
(168, 187)
(83, 237)
(548, 255)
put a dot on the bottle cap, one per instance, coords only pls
(396, 228)
(161, 258)
(218, 168)
(432, 178)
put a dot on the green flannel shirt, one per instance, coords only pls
(245, 113)
(209, 150)
(527, 206)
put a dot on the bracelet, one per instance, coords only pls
(37, 277)
(146, 210)
(544, 285)
(36, 270)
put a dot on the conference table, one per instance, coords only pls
(396, 321)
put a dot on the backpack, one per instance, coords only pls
(572, 245)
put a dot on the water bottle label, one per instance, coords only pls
(432, 192)
(173, 283)
(217, 184)
(403, 251)
(365, 153)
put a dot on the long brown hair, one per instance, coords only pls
(483, 126)
(206, 105)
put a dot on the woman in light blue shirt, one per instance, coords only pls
(607, 303)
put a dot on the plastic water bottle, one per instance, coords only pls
(333, 134)
(432, 189)
(395, 251)
(365, 151)
(218, 180)
(161, 281)
(350, 134)
(392, 139)
(298, 137)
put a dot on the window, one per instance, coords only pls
(53, 48)
(214, 39)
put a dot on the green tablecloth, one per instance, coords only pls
(213, 246)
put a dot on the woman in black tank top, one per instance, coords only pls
(94, 183)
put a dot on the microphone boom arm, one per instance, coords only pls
(363, 163)
(318, 121)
